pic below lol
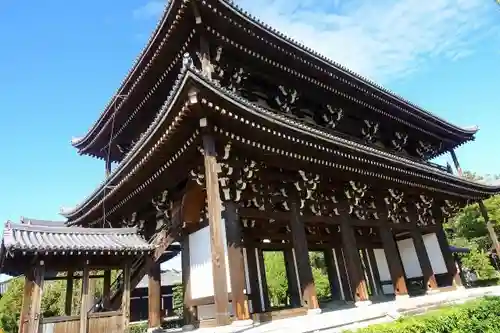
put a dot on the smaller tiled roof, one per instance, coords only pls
(42, 237)
(168, 278)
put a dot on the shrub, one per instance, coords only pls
(480, 316)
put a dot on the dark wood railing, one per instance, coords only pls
(108, 322)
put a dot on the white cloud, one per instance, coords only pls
(151, 9)
(383, 39)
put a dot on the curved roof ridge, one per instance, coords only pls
(311, 52)
(11, 226)
(128, 77)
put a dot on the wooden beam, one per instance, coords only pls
(353, 261)
(222, 314)
(154, 293)
(236, 261)
(263, 278)
(455, 161)
(126, 297)
(69, 294)
(393, 261)
(425, 262)
(84, 300)
(24, 316)
(299, 241)
(489, 227)
(344, 275)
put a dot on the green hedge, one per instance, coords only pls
(479, 316)
(485, 282)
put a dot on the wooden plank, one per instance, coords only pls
(126, 297)
(423, 258)
(253, 276)
(84, 300)
(154, 293)
(292, 278)
(353, 261)
(36, 298)
(396, 269)
(451, 265)
(222, 314)
(333, 276)
(236, 261)
(262, 273)
(344, 275)
(299, 240)
(29, 283)
(106, 289)
(189, 311)
(374, 268)
(69, 294)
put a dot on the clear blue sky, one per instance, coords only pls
(60, 63)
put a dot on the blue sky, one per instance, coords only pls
(60, 65)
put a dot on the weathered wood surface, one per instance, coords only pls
(63, 324)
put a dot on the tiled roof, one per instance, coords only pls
(57, 238)
(168, 278)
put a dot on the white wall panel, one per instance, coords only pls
(409, 258)
(200, 258)
(382, 266)
(435, 254)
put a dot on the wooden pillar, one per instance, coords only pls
(333, 275)
(154, 293)
(85, 299)
(365, 264)
(222, 315)
(36, 298)
(255, 280)
(451, 265)
(396, 269)
(292, 278)
(263, 279)
(489, 227)
(69, 294)
(344, 275)
(106, 290)
(24, 317)
(299, 241)
(353, 261)
(374, 268)
(188, 310)
(423, 258)
(455, 161)
(236, 261)
(126, 297)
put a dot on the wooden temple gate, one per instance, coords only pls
(234, 140)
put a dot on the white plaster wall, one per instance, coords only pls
(435, 254)
(382, 266)
(409, 258)
(383, 270)
(200, 259)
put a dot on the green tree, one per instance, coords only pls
(177, 299)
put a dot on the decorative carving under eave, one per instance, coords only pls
(361, 206)
(399, 142)
(424, 211)
(370, 131)
(163, 206)
(449, 209)
(236, 80)
(324, 204)
(396, 207)
(287, 99)
(306, 187)
(134, 221)
(332, 116)
(198, 175)
(426, 150)
(234, 175)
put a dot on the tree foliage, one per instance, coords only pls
(468, 229)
